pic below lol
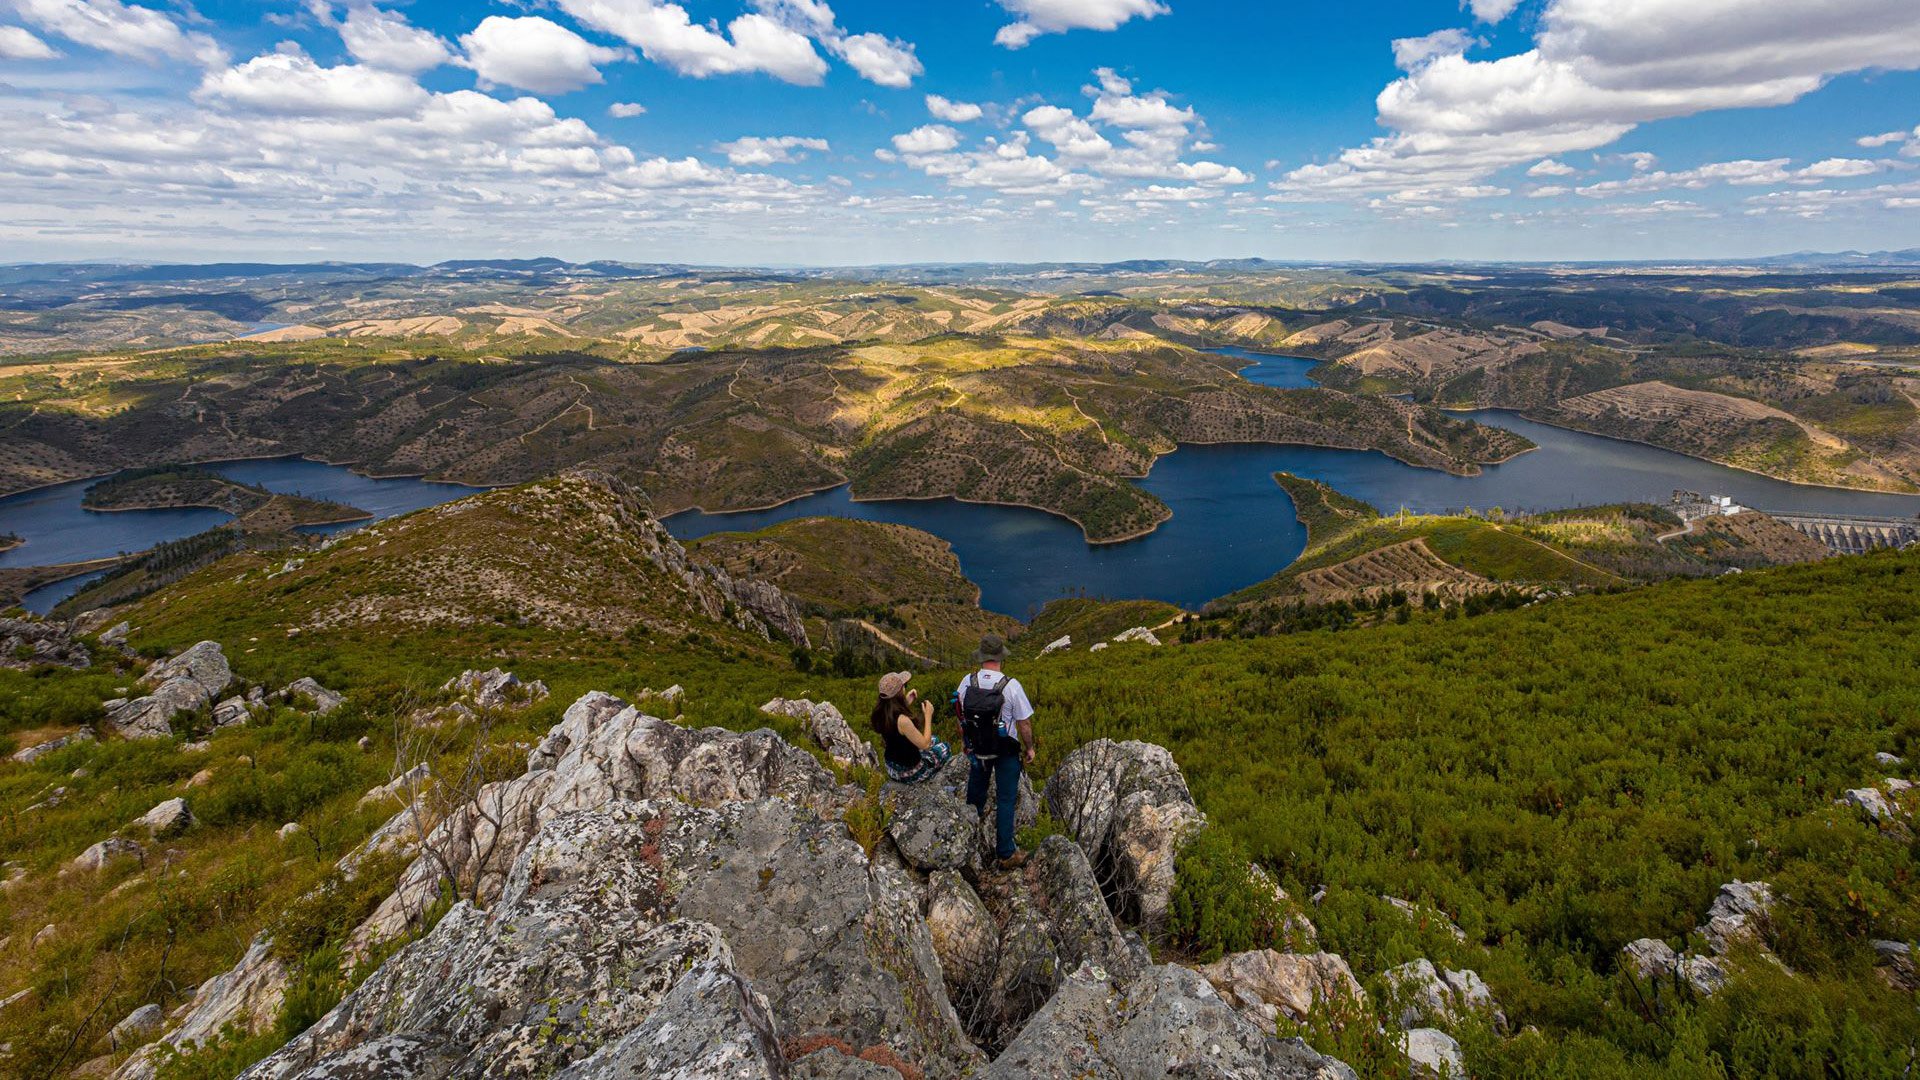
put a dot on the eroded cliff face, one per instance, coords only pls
(648, 900)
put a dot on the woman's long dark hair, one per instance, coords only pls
(887, 711)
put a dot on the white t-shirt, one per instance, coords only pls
(1014, 706)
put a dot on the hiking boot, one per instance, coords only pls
(1012, 862)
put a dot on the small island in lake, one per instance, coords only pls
(255, 509)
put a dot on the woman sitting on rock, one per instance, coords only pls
(905, 725)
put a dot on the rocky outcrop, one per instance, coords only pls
(1433, 1054)
(185, 683)
(1426, 994)
(29, 643)
(495, 689)
(1267, 985)
(247, 996)
(1060, 644)
(1737, 918)
(139, 1025)
(1140, 634)
(1886, 803)
(830, 732)
(1168, 1021)
(103, 854)
(602, 751)
(1894, 961)
(1128, 805)
(306, 692)
(1422, 916)
(29, 754)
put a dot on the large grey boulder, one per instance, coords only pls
(777, 916)
(602, 752)
(169, 818)
(1166, 1022)
(1128, 805)
(185, 683)
(246, 997)
(965, 937)
(1650, 958)
(932, 829)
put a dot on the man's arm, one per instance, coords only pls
(1026, 739)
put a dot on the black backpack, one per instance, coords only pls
(980, 715)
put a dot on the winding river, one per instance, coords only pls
(1231, 526)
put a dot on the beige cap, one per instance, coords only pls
(893, 682)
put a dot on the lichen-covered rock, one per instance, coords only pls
(602, 751)
(1167, 1022)
(169, 818)
(792, 708)
(1882, 804)
(607, 909)
(932, 828)
(305, 689)
(1025, 973)
(1434, 1054)
(1082, 928)
(401, 789)
(964, 935)
(29, 754)
(30, 643)
(712, 1026)
(1267, 985)
(101, 855)
(1139, 633)
(1704, 973)
(830, 732)
(1128, 805)
(204, 663)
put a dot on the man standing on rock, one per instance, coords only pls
(996, 725)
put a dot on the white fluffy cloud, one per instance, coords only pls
(1600, 67)
(1490, 11)
(775, 150)
(386, 40)
(534, 54)
(290, 83)
(1410, 53)
(776, 39)
(18, 43)
(1038, 17)
(626, 110)
(1743, 173)
(1123, 136)
(122, 29)
(1550, 167)
(879, 60)
(928, 139)
(665, 34)
(953, 112)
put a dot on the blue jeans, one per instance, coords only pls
(1004, 772)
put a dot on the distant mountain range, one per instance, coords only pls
(80, 273)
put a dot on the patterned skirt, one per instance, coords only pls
(931, 759)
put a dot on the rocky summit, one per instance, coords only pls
(648, 900)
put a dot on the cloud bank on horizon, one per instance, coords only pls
(795, 131)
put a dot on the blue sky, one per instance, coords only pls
(820, 132)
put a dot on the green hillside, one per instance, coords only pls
(1557, 781)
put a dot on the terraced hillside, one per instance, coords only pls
(1058, 424)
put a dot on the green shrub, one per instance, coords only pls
(1218, 906)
